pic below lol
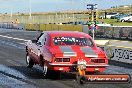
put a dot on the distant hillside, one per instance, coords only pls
(120, 9)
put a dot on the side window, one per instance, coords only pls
(47, 40)
(41, 39)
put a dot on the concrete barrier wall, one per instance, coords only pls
(42, 27)
(120, 54)
(11, 25)
(117, 50)
(114, 32)
(21, 26)
(51, 27)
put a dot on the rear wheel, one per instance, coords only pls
(48, 73)
(29, 61)
(51, 73)
(45, 70)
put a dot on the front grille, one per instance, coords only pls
(62, 60)
(98, 60)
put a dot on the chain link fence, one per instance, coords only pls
(44, 18)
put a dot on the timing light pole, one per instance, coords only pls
(30, 10)
(93, 8)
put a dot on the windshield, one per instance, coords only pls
(72, 41)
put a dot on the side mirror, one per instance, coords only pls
(34, 41)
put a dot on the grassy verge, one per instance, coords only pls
(115, 23)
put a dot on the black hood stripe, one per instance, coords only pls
(67, 51)
(88, 52)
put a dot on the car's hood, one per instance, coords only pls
(75, 51)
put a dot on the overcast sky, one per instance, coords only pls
(56, 5)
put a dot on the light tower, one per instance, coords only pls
(93, 8)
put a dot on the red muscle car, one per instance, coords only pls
(64, 51)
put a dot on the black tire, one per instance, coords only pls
(51, 74)
(81, 79)
(29, 61)
(45, 70)
(122, 20)
(44, 67)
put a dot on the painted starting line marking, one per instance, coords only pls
(14, 38)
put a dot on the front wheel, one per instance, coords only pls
(29, 61)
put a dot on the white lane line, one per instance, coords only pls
(13, 38)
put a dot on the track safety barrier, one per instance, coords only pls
(117, 50)
(113, 32)
(11, 25)
(53, 27)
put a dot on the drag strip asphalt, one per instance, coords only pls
(13, 38)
